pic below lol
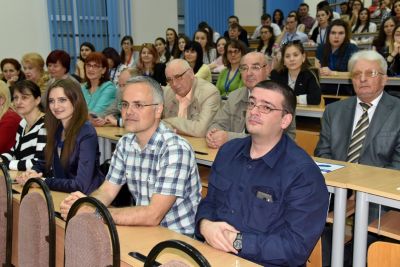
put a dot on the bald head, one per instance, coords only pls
(180, 76)
(254, 69)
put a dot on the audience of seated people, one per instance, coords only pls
(68, 158)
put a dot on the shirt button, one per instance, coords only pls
(232, 211)
(249, 166)
(240, 189)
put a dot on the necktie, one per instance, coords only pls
(357, 139)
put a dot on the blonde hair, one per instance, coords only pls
(5, 94)
(37, 61)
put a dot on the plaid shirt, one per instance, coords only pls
(166, 166)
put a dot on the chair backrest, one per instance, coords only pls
(180, 245)
(315, 259)
(383, 254)
(36, 227)
(88, 242)
(6, 217)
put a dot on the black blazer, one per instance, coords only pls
(307, 83)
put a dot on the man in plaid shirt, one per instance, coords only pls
(158, 165)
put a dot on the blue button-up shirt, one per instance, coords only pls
(279, 201)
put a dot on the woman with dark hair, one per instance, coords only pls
(209, 53)
(127, 51)
(383, 41)
(230, 79)
(393, 59)
(149, 65)
(30, 139)
(355, 10)
(363, 24)
(11, 70)
(182, 41)
(72, 151)
(324, 17)
(161, 47)
(194, 56)
(58, 64)
(114, 63)
(334, 55)
(171, 38)
(267, 40)
(278, 18)
(85, 49)
(99, 91)
(213, 36)
(396, 11)
(218, 64)
(9, 119)
(295, 70)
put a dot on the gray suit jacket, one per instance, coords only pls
(231, 117)
(381, 147)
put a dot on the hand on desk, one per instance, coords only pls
(68, 201)
(325, 71)
(216, 138)
(110, 120)
(219, 235)
(97, 122)
(25, 176)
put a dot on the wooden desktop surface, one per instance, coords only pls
(139, 239)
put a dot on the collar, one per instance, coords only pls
(272, 157)
(154, 140)
(374, 102)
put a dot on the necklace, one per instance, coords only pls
(29, 126)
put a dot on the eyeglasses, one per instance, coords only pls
(177, 77)
(367, 74)
(245, 68)
(135, 105)
(234, 52)
(93, 66)
(263, 108)
(294, 42)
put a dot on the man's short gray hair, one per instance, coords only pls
(369, 55)
(158, 95)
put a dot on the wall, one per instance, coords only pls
(249, 11)
(151, 18)
(24, 28)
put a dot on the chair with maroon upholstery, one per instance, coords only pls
(6, 217)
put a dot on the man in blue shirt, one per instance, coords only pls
(267, 200)
(290, 33)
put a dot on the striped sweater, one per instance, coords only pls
(28, 148)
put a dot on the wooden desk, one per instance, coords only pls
(346, 80)
(373, 185)
(107, 135)
(140, 239)
(313, 111)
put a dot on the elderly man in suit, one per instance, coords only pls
(364, 128)
(190, 102)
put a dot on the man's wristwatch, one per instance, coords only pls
(237, 243)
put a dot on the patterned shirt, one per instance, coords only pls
(166, 166)
(29, 147)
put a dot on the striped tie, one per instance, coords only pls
(359, 134)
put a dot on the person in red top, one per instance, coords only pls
(9, 119)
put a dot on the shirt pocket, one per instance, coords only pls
(260, 214)
(221, 186)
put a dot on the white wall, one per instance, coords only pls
(24, 28)
(249, 11)
(151, 18)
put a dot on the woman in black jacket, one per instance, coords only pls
(295, 70)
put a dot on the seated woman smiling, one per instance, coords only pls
(72, 151)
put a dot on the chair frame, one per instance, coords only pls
(50, 207)
(108, 220)
(180, 245)
(9, 214)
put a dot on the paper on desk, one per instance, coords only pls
(327, 167)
